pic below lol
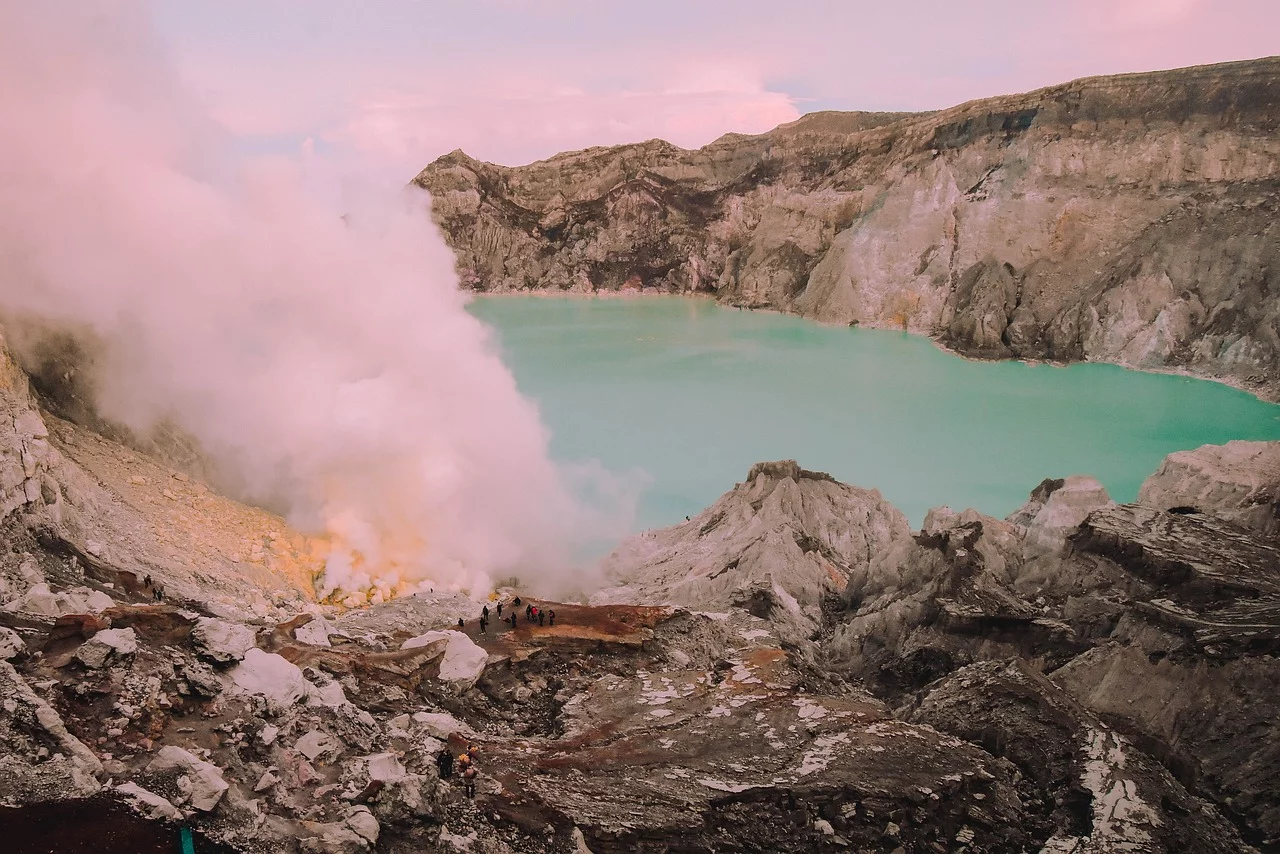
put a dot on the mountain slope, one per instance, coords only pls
(1129, 219)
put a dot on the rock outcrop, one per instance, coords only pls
(777, 545)
(1130, 219)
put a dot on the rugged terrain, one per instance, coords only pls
(1128, 219)
(794, 669)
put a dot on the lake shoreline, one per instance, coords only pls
(1266, 392)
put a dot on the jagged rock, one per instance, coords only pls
(1063, 509)
(200, 782)
(1093, 787)
(108, 644)
(222, 641)
(11, 644)
(315, 744)
(442, 725)
(463, 660)
(315, 633)
(147, 803)
(45, 602)
(358, 831)
(776, 545)
(1238, 481)
(27, 724)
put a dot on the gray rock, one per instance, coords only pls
(107, 645)
(222, 641)
(1238, 481)
(776, 545)
(200, 782)
(11, 644)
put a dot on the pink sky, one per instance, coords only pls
(394, 83)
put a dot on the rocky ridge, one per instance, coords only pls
(1128, 219)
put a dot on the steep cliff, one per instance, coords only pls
(1130, 219)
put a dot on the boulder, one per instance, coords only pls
(44, 602)
(463, 660)
(148, 803)
(314, 633)
(203, 786)
(11, 644)
(105, 645)
(272, 677)
(442, 725)
(222, 641)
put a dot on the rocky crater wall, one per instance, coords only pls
(1128, 219)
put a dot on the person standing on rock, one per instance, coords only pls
(484, 612)
(499, 610)
(462, 625)
(444, 761)
(528, 612)
(542, 618)
(551, 617)
(483, 624)
(469, 780)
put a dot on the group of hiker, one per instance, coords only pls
(532, 614)
(157, 590)
(466, 763)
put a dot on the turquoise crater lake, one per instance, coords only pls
(693, 393)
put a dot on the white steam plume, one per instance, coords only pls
(321, 353)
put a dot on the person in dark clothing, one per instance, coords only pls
(542, 618)
(513, 619)
(484, 612)
(528, 612)
(462, 624)
(483, 624)
(551, 617)
(516, 602)
(444, 761)
(499, 610)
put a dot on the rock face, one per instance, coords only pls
(777, 545)
(1238, 481)
(1129, 219)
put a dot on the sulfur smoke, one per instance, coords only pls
(319, 352)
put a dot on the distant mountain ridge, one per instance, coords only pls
(1128, 219)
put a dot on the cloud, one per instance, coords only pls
(411, 128)
(311, 336)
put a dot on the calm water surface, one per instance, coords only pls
(693, 394)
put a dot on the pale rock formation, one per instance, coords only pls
(463, 660)
(148, 803)
(272, 677)
(776, 545)
(1238, 481)
(200, 782)
(48, 603)
(315, 633)
(222, 641)
(11, 644)
(1061, 513)
(111, 645)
